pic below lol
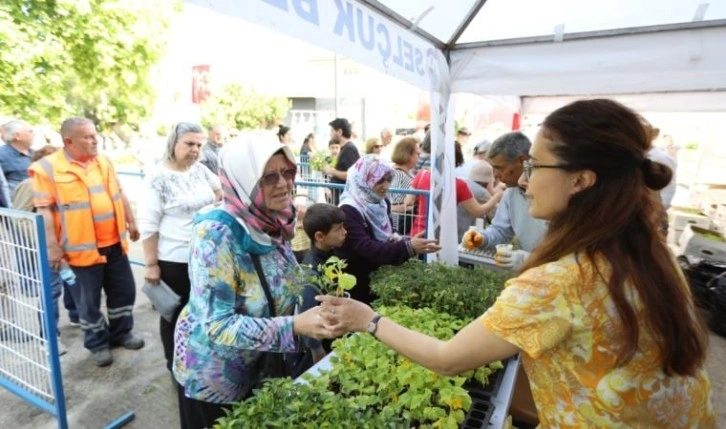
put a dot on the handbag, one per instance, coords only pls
(271, 364)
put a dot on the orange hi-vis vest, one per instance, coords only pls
(74, 220)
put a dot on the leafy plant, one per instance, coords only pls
(318, 160)
(284, 403)
(375, 376)
(368, 386)
(465, 293)
(332, 279)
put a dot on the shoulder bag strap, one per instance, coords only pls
(265, 285)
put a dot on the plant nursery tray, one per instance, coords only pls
(490, 407)
(491, 388)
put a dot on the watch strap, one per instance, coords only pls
(373, 324)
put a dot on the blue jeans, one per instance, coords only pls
(116, 279)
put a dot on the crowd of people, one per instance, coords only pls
(590, 307)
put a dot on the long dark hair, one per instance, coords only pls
(617, 219)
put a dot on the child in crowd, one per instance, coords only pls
(324, 226)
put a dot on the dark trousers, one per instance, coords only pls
(69, 304)
(198, 414)
(116, 279)
(176, 276)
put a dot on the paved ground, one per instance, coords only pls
(138, 381)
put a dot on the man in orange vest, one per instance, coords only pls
(87, 219)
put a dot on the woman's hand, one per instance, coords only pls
(422, 245)
(153, 274)
(311, 324)
(342, 315)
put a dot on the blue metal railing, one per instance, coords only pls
(304, 169)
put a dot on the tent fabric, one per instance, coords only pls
(412, 41)
(663, 102)
(685, 60)
(514, 19)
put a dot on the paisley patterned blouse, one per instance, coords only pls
(562, 317)
(225, 326)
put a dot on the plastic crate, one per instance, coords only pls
(480, 412)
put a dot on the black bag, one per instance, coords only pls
(717, 289)
(699, 275)
(272, 364)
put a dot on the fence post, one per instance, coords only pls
(33, 376)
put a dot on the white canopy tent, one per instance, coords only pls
(534, 55)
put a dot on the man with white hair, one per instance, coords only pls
(16, 154)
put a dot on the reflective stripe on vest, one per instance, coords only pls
(96, 189)
(84, 252)
(61, 207)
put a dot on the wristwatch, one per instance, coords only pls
(373, 324)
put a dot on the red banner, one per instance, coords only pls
(200, 83)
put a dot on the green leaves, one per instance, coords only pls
(90, 58)
(370, 385)
(462, 292)
(318, 160)
(243, 108)
(332, 279)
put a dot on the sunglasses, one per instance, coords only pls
(272, 179)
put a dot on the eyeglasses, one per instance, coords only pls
(528, 167)
(272, 179)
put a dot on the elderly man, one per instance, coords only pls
(87, 217)
(506, 156)
(210, 152)
(16, 154)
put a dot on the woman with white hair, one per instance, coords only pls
(176, 190)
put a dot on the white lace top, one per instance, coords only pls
(171, 201)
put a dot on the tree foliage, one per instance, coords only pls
(90, 58)
(243, 108)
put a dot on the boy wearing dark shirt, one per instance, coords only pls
(340, 132)
(324, 226)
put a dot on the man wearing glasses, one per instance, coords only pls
(508, 156)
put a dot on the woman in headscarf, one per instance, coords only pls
(371, 242)
(226, 325)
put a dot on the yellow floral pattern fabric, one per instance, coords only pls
(562, 317)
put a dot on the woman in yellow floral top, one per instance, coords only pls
(606, 323)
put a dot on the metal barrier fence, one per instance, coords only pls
(29, 363)
(316, 185)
